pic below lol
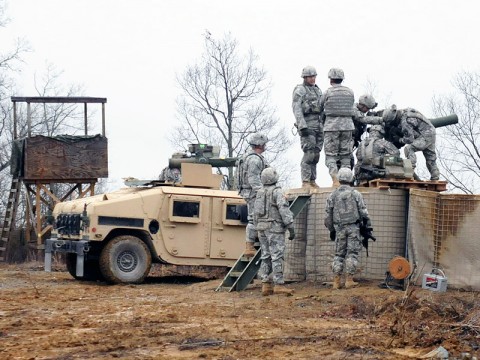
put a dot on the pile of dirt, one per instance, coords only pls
(51, 316)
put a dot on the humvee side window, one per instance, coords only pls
(233, 212)
(185, 209)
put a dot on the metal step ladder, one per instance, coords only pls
(10, 213)
(245, 269)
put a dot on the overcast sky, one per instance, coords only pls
(129, 51)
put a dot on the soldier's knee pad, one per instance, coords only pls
(309, 156)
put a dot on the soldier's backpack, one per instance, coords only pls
(345, 209)
(261, 208)
(242, 171)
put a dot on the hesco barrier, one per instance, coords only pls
(441, 230)
(444, 233)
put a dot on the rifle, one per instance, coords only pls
(366, 232)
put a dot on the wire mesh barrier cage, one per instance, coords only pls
(431, 229)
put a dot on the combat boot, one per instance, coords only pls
(306, 184)
(350, 283)
(267, 289)
(337, 282)
(314, 185)
(250, 250)
(279, 289)
(335, 182)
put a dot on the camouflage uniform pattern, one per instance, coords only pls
(271, 226)
(345, 209)
(305, 105)
(337, 105)
(170, 175)
(419, 135)
(375, 146)
(253, 165)
(360, 122)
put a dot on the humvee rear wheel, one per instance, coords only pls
(125, 259)
(91, 268)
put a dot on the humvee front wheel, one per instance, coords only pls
(91, 268)
(125, 259)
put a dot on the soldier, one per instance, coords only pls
(170, 175)
(309, 124)
(345, 211)
(272, 218)
(360, 120)
(410, 128)
(249, 169)
(337, 107)
(371, 150)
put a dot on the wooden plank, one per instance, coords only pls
(51, 158)
(409, 184)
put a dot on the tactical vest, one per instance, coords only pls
(339, 102)
(265, 210)
(242, 171)
(311, 100)
(345, 209)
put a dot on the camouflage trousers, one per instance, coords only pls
(427, 147)
(347, 249)
(273, 248)
(250, 231)
(338, 149)
(311, 147)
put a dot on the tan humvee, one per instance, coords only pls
(116, 236)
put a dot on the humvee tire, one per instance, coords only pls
(91, 269)
(125, 259)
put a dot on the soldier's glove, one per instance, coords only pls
(333, 235)
(291, 235)
(304, 132)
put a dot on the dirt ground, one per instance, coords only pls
(52, 316)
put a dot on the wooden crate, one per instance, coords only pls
(65, 158)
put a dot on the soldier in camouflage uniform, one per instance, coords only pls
(412, 129)
(337, 107)
(361, 120)
(272, 218)
(249, 169)
(372, 148)
(345, 211)
(309, 124)
(170, 175)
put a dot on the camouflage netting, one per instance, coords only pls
(442, 233)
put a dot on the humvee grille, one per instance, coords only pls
(68, 224)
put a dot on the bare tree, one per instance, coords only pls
(459, 145)
(225, 98)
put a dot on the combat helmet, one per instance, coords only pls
(390, 114)
(336, 73)
(269, 176)
(368, 101)
(258, 139)
(309, 71)
(377, 128)
(345, 175)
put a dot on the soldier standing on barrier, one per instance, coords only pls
(411, 128)
(337, 107)
(272, 219)
(249, 169)
(345, 211)
(309, 124)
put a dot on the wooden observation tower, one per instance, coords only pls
(39, 161)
